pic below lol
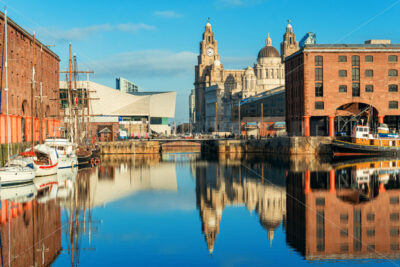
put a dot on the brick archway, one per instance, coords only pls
(354, 108)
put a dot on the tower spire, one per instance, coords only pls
(269, 41)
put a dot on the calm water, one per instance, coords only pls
(180, 210)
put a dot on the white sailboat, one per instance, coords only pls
(13, 173)
(67, 158)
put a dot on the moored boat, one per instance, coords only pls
(364, 143)
(66, 152)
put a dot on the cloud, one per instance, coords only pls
(169, 14)
(147, 63)
(84, 32)
(237, 3)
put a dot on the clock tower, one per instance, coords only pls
(208, 55)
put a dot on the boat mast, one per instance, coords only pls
(32, 94)
(6, 89)
(76, 104)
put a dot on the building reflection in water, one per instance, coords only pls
(219, 185)
(351, 212)
(30, 221)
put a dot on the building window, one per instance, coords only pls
(355, 60)
(392, 73)
(342, 73)
(371, 232)
(394, 217)
(392, 58)
(344, 247)
(342, 58)
(371, 247)
(394, 246)
(393, 87)
(344, 217)
(319, 105)
(320, 201)
(318, 74)
(394, 231)
(355, 74)
(369, 88)
(394, 200)
(344, 232)
(370, 217)
(369, 58)
(318, 60)
(342, 88)
(369, 73)
(356, 89)
(393, 105)
(319, 90)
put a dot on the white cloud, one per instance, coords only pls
(84, 32)
(237, 3)
(147, 63)
(169, 14)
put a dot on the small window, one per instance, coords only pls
(319, 90)
(342, 88)
(344, 217)
(393, 105)
(319, 105)
(392, 58)
(369, 58)
(355, 60)
(394, 217)
(394, 200)
(370, 217)
(318, 74)
(394, 246)
(369, 73)
(393, 87)
(371, 232)
(355, 74)
(318, 60)
(356, 89)
(320, 201)
(344, 232)
(392, 73)
(369, 88)
(342, 58)
(342, 73)
(394, 231)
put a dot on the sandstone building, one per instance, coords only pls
(218, 90)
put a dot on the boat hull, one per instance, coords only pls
(67, 162)
(10, 176)
(343, 148)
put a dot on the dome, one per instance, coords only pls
(268, 51)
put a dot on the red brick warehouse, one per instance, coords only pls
(20, 55)
(327, 84)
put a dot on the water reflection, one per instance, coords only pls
(329, 211)
(350, 212)
(221, 185)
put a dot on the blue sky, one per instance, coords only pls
(155, 43)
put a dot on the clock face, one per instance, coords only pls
(210, 52)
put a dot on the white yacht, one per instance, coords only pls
(66, 152)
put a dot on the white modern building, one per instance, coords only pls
(117, 110)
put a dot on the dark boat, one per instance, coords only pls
(363, 143)
(96, 151)
(84, 156)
